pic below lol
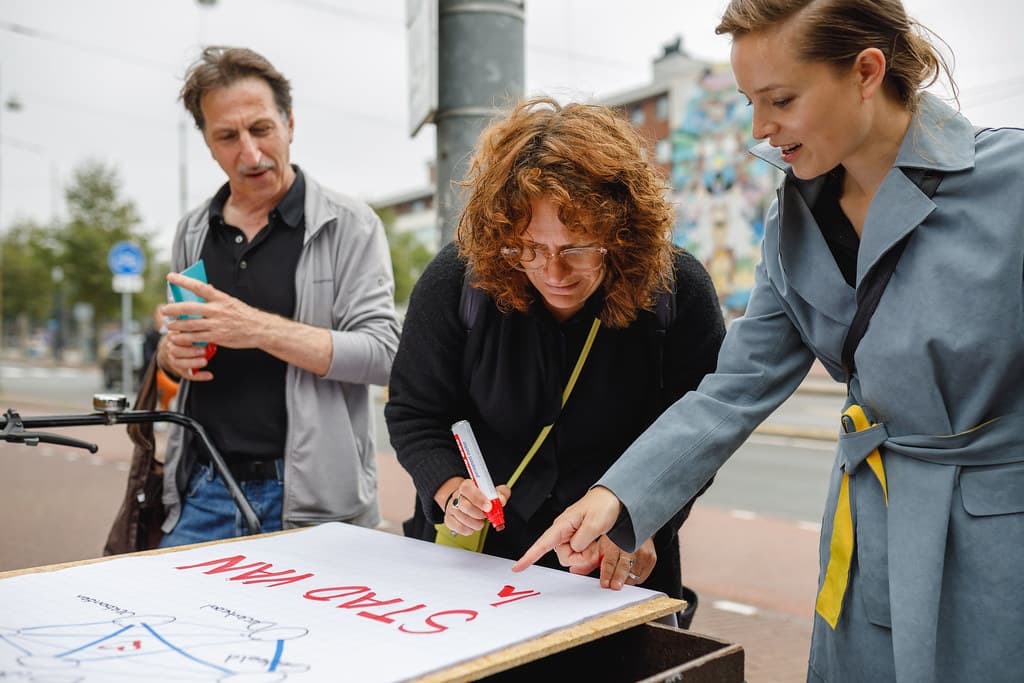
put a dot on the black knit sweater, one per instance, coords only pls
(506, 376)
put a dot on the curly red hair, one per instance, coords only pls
(589, 162)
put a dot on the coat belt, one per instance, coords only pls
(994, 442)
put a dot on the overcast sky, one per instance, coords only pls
(98, 79)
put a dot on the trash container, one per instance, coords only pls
(642, 654)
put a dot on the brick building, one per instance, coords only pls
(698, 127)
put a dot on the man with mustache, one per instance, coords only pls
(299, 308)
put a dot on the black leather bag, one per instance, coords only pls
(137, 524)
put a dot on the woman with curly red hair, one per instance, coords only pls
(566, 235)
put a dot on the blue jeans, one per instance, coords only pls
(209, 514)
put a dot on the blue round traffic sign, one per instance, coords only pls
(126, 258)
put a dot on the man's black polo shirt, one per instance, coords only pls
(243, 407)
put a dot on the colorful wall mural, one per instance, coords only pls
(720, 190)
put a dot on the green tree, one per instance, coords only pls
(28, 257)
(409, 256)
(98, 216)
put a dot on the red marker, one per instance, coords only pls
(474, 460)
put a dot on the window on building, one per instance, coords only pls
(661, 108)
(636, 117)
(663, 151)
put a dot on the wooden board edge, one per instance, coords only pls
(557, 641)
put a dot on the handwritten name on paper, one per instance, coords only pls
(228, 613)
(106, 605)
(362, 599)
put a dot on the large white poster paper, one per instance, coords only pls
(331, 603)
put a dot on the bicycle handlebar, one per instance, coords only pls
(14, 429)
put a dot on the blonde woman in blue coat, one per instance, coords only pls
(922, 546)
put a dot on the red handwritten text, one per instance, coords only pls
(407, 616)
(507, 591)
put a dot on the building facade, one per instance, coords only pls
(698, 126)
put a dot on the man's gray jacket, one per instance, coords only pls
(344, 283)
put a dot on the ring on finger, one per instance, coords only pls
(635, 577)
(455, 502)
(631, 562)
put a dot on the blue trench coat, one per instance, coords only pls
(936, 587)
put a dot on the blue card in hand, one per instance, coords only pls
(197, 271)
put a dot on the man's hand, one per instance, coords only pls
(183, 361)
(224, 320)
(231, 323)
(574, 530)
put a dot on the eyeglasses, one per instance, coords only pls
(582, 259)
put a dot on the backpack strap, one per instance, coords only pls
(471, 301)
(664, 316)
(665, 309)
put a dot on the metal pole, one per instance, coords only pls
(480, 71)
(58, 316)
(126, 351)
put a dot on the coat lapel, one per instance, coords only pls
(898, 208)
(804, 256)
(805, 264)
(939, 140)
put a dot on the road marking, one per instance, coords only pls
(44, 372)
(734, 607)
(827, 445)
(749, 516)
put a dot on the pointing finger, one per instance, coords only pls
(559, 533)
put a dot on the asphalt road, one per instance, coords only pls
(55, 494)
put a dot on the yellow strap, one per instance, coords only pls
(830, 598)
(837, 575)
(860, 423)
(594, 327)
